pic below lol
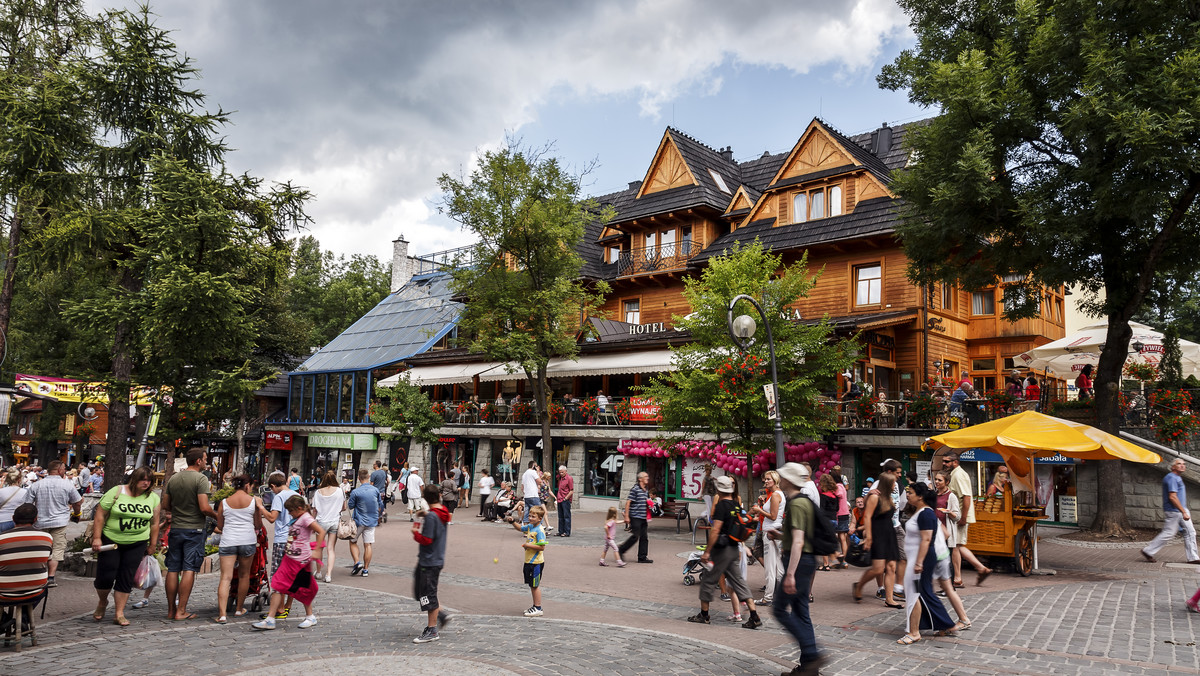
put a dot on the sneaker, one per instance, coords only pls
(429, 635)
(140, 604)
(764, 601)
(264, 625)
(281, 615)
(736, 617)
(602, 563)
(752, 623)
(50, 583)
(620, 564)
(328, 577)
(533, 611)
(879, 593)
(309, 621)
(699, 618)
(725, 597)
(358, 568)
(365, 573)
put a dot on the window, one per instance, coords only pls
(983, 364)
(602, 470)
(1009, 278)
(614, 252)
(685, 236)
(983, 302)
(650, 240)
(868, 284)
(800, 208)
(947, 297)
(359, 412)
(835, 200)
(632, 311)
(817, 210)
(294, 412)
(667, 241)
(719, 181)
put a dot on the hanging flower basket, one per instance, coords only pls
(1147, 373)
(736, 373)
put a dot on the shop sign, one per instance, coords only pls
(219, 446)
(980, 455)
(354, 442)
(280, 441)
(644, 409)
(1067, 512)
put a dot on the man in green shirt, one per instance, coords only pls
(799, 566)
(185, 500)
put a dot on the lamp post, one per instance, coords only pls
(742, 331)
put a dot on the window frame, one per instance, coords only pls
(625, 313)
(827, 200)
(591, 452)
(855, 283)
(982, 294)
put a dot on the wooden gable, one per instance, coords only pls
(668, 170)
(815, 151)
(740, 201)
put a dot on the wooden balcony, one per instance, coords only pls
(661, 258)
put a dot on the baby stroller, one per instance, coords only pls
(258, 591)
(693, 568)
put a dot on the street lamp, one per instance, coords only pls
(742, 331)
(1137, 346)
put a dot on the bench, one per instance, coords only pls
(678, 511)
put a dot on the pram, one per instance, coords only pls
(693, 568)
(258, 591)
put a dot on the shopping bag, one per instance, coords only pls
(148, 575)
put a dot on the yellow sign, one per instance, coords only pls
(66, 389)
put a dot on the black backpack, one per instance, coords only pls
(823, 537)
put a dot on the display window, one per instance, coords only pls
(602, 470)
(1053, 486)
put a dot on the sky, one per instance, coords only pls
(366, 102)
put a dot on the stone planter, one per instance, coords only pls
(210, 564)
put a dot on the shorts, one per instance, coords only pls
(533, 574)
(425, 584)
(240, 551)
(278, 551)
(330, 527)
(843, 524)
(900, 542)
(185, 550)
(961, 540)
(942, 570)
(59, 549)
(366, 534)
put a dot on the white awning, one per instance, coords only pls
(613, 363)
(445, 374)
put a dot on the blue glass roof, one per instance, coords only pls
(407, 322)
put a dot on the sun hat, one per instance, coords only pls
(795, 474)
(724, 484)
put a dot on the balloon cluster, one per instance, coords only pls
(821, 457)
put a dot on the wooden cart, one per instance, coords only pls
(1007, 532)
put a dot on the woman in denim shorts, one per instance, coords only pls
(239, 518)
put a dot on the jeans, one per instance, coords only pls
(1174, 519)
(529, 503)
(564, 517)
(638, 535)
(791, 610)
(185, 550)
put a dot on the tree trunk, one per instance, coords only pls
(240, 452)
(1110, 489)
(10, 272)
(118, 406)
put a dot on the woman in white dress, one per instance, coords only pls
(329, 501)
(772, 513)
(925, 549)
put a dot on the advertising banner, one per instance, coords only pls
(644, 409)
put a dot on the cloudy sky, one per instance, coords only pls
(367, 102)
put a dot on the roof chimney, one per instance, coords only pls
(634, 185)
(401, 265)
(727, 153)
(883, 140)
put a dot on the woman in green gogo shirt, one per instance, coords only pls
(127, 516)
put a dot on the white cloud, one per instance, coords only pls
(367, 103)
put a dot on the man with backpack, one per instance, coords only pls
(730, 527)
(803, 538)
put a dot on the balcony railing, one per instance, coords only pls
(433, 262)
(666, 256)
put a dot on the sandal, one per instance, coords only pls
(893, 605)
(854, 591)
(121, 622)
(908, 640)
(962, 626)
(100, 610)
(824, 568)
(240, 613)
(946, 632)
(982, 576)
(220, 620)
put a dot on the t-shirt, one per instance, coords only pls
(97, 482)
(184, 489)
(843, 504)
(11, 497)
(960, 486)
(529, 483)
(414, 485)
(485, 485)
(379, 479)
(299, 537)
(534, 535)
(723, 512)
(129, 517)
(1172, 483)
(23, 556)
(800, 514)
(53, 496)
(434, 528)
(281, 521)
(637, 502)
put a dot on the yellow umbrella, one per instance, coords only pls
(1030, 434)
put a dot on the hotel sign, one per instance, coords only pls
(642, 329)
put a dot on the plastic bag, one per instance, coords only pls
(148, 574)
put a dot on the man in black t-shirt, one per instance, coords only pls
(722, 553)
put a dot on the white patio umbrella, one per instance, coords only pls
(1067, 356)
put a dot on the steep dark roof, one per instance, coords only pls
(405, 323)
(277, 388)
(872, 217)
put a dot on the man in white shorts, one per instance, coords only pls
(365, 503)
(414, 486)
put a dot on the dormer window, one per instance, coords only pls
(719, 181)
(818, 203)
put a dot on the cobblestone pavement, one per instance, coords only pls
(1107, 611)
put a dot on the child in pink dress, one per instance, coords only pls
(294, 577)
(610, 538)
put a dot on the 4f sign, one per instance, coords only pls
(772, 407)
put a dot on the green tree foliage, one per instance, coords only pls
(1174, 301)
(1065, 150)
(524, 300)
(1170, 374)
(407, 411)
(700, 393)
(329, 293)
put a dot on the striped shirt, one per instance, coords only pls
(23, 556)
(637, 502)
